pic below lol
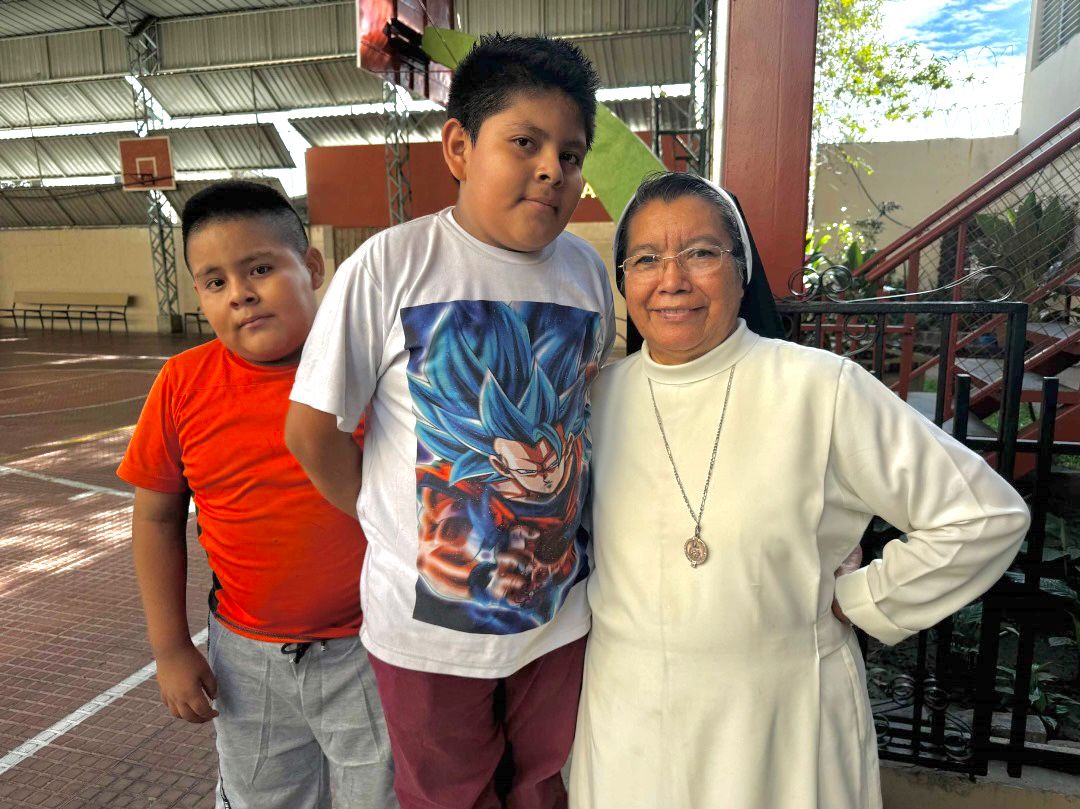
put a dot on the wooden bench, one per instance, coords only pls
(197, 317)
(24, 304)
(71, 307)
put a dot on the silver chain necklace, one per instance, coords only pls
(695, 548)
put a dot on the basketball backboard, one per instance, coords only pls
(146, 163)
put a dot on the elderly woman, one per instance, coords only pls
(733, 474)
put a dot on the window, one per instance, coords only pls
(1058, 21)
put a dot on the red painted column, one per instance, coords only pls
(768, 106)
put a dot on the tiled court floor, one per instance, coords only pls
(80, 720)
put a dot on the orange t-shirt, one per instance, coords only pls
(286, 563)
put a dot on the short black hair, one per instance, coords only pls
(500, 67)
(240, 199)
(668, 187)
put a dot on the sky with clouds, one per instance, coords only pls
(987, 40)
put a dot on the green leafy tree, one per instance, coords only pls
(861, 80)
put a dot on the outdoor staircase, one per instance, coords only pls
(1023, 216)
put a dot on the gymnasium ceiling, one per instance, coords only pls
(90, 206)
(62, 63)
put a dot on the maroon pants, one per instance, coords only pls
(447, 740)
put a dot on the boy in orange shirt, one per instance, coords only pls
(296, 703)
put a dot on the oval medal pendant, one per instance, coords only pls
(696, 551)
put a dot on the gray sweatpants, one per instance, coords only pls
(289, 734)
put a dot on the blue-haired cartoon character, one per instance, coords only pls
(499, 394)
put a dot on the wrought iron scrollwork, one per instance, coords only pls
(858, 333)
(831, 283)
(992, 284)
(957, 740)
(989, 284)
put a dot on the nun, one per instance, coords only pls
(733, 474)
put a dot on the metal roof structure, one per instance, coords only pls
(61, 62)
(632, 42)
(73, 206)
(71, 103)
(27, 17)
(91, 205)
(277, 88)
(342, 130)
(261, 89)
(204, 149)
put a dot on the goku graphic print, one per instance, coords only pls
(499, 393)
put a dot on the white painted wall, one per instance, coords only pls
(1052, 87)
(102, 260)
(919, 175)
(87, 260)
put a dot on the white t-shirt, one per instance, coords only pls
(476, 363)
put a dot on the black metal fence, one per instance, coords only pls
(936, 697)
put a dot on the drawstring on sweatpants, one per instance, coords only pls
(298, 650)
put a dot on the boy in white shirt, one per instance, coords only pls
(473, 334)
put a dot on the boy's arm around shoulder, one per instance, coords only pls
(329, 456)
(337, 375)
(159, 545)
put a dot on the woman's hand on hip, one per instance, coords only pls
(849, 565)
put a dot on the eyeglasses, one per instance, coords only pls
(693, 261)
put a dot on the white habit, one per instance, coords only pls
(732, 686)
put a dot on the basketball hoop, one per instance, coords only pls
(146, 164)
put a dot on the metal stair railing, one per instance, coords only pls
(1021, 221)
(1061, 336)
(893, 254)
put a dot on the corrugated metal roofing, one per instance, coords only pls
(277, 35)
(301, 32)
(73, 206)
(72, 103)
(637, 114)
(636, 41)
(164, 9)
(343, 130)
(230, 147)
(95, 53)
(554, 17)
(631, 61)
(21, 17)
(30, 158)
(281, 87)
(26, 17)
(95, 205)
(631, 41)
(322, 84)
(203, 149)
